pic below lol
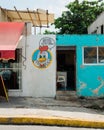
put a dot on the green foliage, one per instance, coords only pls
(48, 32)
(78, 17)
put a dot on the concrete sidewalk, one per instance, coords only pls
(48, 111)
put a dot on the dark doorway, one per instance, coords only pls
(66, 68)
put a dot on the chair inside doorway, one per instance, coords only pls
(61, 80)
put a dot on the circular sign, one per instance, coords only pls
(41, 59)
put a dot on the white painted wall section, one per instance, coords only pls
(96, 25)
(37, 82)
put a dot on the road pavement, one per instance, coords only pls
(40, 127)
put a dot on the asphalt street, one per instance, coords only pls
(37, 127)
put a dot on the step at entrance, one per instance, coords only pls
(66, 95)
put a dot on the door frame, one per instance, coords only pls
(63, 48)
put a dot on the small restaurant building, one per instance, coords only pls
(41, 65)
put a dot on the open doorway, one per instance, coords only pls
(66, 68)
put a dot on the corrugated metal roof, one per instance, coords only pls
(39, 18)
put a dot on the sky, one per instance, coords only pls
(53, 6)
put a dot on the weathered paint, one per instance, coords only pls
(53, 121)
(89, 78)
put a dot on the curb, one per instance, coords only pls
(53, 121)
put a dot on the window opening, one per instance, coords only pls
(101, 54)
(90, 55)
(11, 71)
(101, 29)
(93, 55)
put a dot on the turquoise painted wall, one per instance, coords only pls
(89, 78)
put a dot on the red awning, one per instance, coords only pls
(7, 55)
(10, 33)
